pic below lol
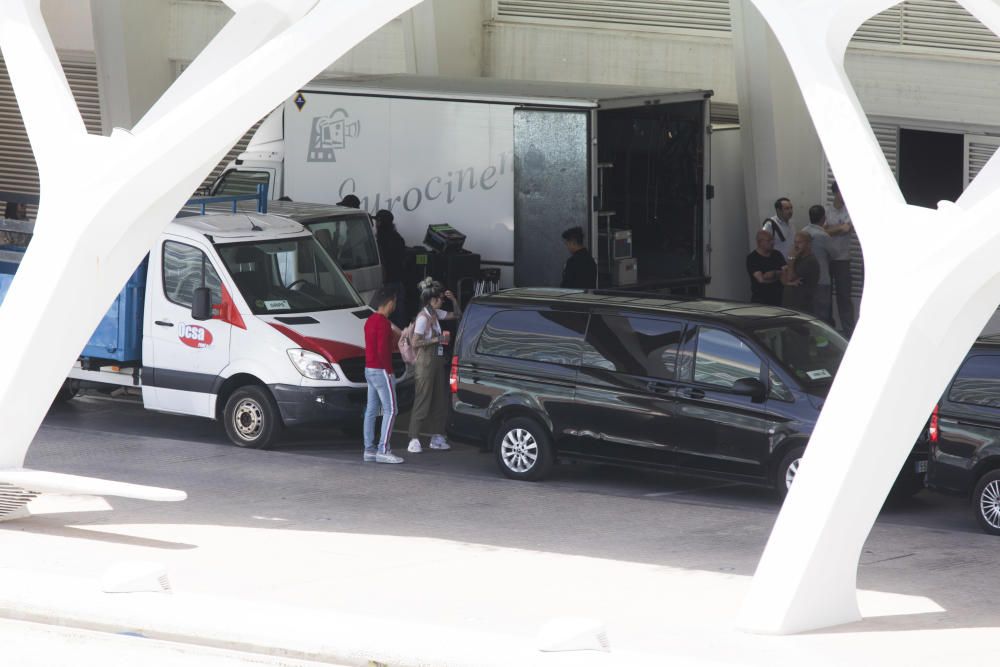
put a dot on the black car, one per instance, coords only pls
(964, 434)
(711, 387)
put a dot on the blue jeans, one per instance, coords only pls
(381, 392)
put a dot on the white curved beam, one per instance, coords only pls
(50, 114)
(918, 297)
(111, 197)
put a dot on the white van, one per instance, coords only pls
(243, 318)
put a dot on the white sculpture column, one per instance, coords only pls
(928, 293)
(105, 200)
(781, 150)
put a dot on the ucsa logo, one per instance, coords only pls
(193, 335)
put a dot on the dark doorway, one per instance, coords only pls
(655, 187)
(930, 166)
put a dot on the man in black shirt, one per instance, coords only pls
(764, 265)
(581, 269)
(392, 250)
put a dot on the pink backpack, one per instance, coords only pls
(406, 349)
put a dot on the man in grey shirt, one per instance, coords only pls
(838, 226)
(823, 301)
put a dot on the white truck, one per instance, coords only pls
(243, 318)
(511, 164)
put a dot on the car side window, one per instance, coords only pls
(722, 359)
(977, 382)
(634, 345)
(531, 335)
(183, 268)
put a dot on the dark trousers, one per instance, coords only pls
(840, 273)
(823, 303)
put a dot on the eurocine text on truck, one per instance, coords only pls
(239, 317)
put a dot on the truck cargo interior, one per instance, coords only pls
(651, 182)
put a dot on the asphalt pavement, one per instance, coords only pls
(444, 547)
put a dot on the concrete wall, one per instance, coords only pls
(597, 55)
(70, 23)
(193, 23)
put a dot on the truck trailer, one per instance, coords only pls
(242, 318)
(511, 164)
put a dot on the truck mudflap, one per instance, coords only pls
(300, 406)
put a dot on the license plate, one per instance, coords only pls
(921, 466)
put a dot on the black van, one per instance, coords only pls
(964, 434)
(724, 389)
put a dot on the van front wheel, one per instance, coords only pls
(252, 419)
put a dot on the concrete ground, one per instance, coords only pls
(307, 554)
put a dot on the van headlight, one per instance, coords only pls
(312, 365)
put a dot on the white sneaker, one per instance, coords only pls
(414, 447)
(438, 442)
(369, 456)
(388, 457)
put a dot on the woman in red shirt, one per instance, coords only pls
(379, 339)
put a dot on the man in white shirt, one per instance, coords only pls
(838, 226)
(781, 227)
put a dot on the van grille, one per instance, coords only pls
(354, 368)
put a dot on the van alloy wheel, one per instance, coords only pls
(791, 472)
(989, 503)
(787, 470)
(519, 450)
(522, 448)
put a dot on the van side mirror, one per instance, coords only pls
(201, 306)
(751, 387)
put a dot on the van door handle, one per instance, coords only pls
(654, 387)
(162, 323)
(692, 393)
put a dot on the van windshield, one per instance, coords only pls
(349, 240)
(288, 276)
(808, 349)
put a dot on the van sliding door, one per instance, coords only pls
(551, 191)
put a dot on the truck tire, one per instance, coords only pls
(67, 392)
(252, 419)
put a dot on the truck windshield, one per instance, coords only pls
(288, 276)
(808, 349)
(349, 240)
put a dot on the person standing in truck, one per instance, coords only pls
(580, 270)
(379, 339)
(392, 250)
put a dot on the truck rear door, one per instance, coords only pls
(182, 358)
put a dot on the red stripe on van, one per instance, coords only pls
(330, 350)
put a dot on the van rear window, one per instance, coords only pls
(530, 335)
(977, 382)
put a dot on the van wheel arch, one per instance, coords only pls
(232, 384)
(982, 468)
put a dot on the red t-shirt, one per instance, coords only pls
(378, 343)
